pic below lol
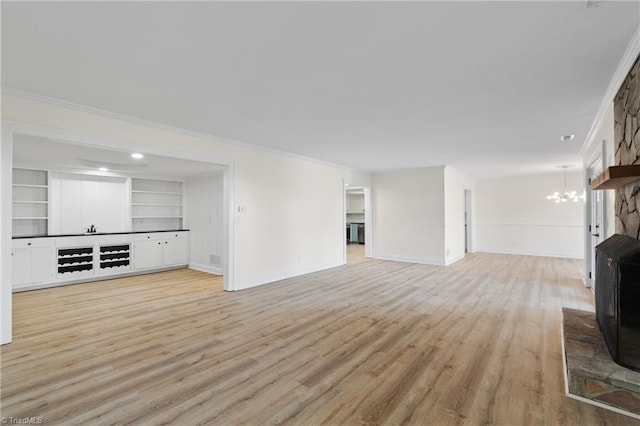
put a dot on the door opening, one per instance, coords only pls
(357, 222)
(595, 217)
(468, 247)
(595, 228)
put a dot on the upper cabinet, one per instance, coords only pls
(79, 201)
(30, 202)
(156, 205)
(355, 203)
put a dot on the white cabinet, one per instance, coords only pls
(176, 251)
(33, 261)
(79, 201)
(147, 254)
(39, 262)
(21, 266)
(160, 249)
(355, 203)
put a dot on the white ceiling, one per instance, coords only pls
(487, 87)
(36, 152)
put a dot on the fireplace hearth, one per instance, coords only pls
(618, 298)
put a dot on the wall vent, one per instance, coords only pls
(214, 259)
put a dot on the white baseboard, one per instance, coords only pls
(206, 268)
(423, 261)
(454, 260)
(527, 253)
(90, 279)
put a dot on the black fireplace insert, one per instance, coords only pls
(618, 298)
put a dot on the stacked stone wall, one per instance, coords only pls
(627, 142)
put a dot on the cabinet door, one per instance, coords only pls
(21, 266)
(357, 204)
(42, 264)
(176, 251)
(147, 254)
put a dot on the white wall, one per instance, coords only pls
(514, 216)
(455, 183)
(408, 215)
(293, 219)
(5, 245)
(203, 217)
(293, 207)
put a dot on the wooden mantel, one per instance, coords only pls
(616, 176)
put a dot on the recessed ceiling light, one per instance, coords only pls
(103, 169)
(137, 156)
(567, 138)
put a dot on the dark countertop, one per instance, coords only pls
(96, 233)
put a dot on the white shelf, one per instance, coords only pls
(156, 205)
(136, 191)
(102, 262)
(24, 185)
(29, 199)
(156, 217)
(112, 268)
(31, 218)
(79, 274)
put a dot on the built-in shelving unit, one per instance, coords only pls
(616, 177)
(75, 260)
(156, 205)
(30, 202)
(115, 257)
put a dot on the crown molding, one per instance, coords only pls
(629, 57)
(160, 126)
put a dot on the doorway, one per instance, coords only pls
(357, 223)
(595, 222)
(468, 240)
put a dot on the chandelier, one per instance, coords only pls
(565, 195)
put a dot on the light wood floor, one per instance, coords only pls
(355, 254)
(374, 342)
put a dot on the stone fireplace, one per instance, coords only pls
(591, 346)
(618, 298)
(627, 145)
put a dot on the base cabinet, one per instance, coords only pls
(162, 249)
(39, 262)
(21, 258)
(33, 261)
(176, 251)
(147, 254)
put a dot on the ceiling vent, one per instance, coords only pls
(595, 3)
